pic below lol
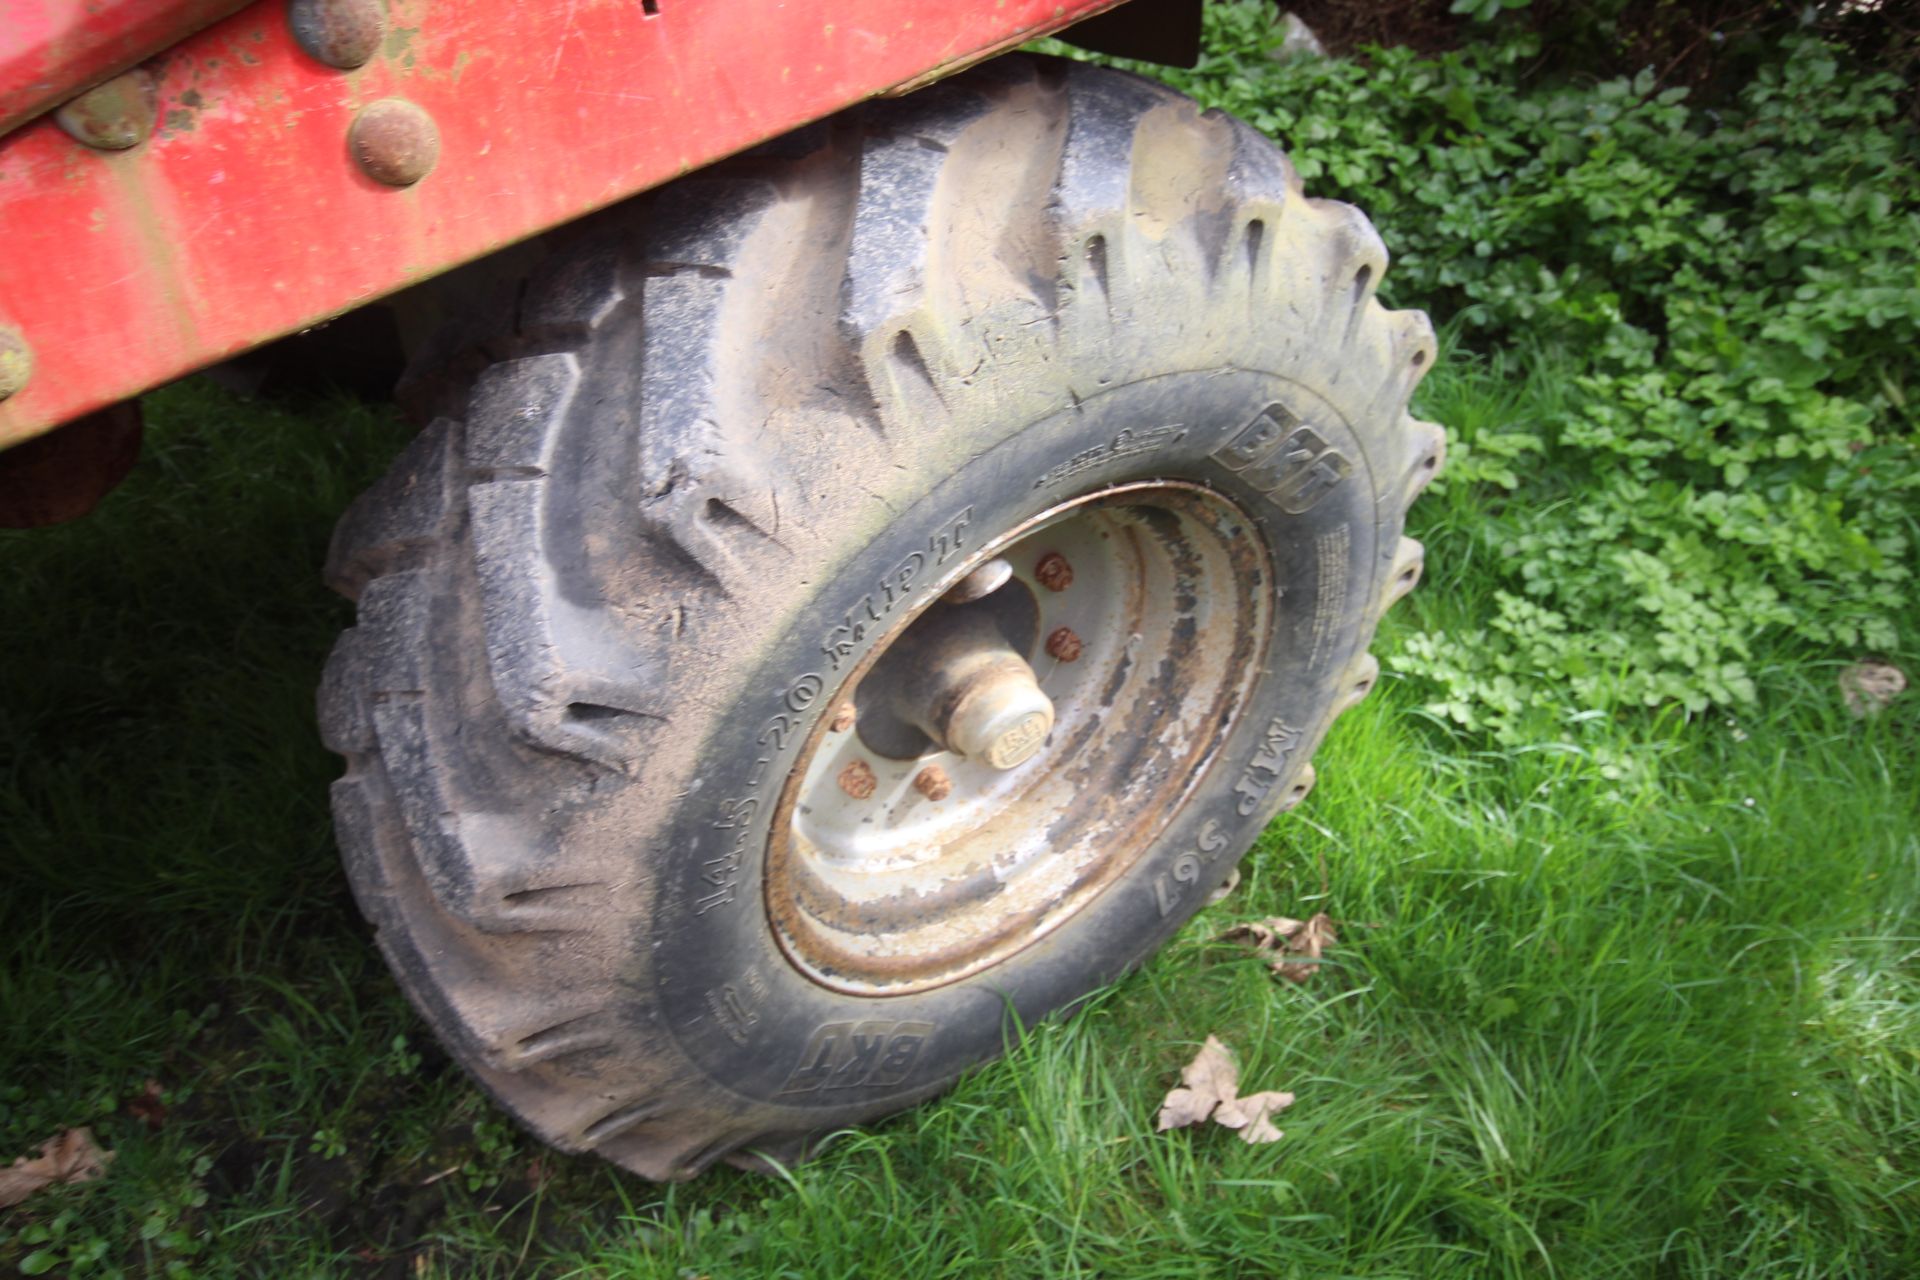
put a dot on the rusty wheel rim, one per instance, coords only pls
(898, 862)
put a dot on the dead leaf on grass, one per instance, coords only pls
(71, 1157)
(1869, 687)
(1209, 1080)
(1252, 1115)
(1296, 945)
(1209, 1089)
(149, 1107)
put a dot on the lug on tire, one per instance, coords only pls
(880, 582)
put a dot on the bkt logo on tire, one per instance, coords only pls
(850, 1055)
(1285, 459)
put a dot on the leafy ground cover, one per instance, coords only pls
(1620, 991)
(1724, 298)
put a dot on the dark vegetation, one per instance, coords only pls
(1709, 47)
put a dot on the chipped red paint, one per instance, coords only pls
(245, 216)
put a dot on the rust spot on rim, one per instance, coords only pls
(394, 141)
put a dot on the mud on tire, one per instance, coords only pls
(725, 416)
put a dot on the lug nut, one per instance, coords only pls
(933, 783)
(1064, 645)
(857, 780)
(1053, 572)
(842, 719)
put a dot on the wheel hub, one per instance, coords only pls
(955, 676)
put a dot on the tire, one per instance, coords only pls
(735, 437)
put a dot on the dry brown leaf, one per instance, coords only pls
(1210, 1079)
(1251, 1115)
(71, 1157)
(1868, 687)
(1296, 945)
(148, 1107)
(1209, 1089)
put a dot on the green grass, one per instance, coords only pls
(1644, 1002)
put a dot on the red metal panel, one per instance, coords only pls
(245, 217)
(52, 49)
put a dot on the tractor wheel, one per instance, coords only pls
(881, 584)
